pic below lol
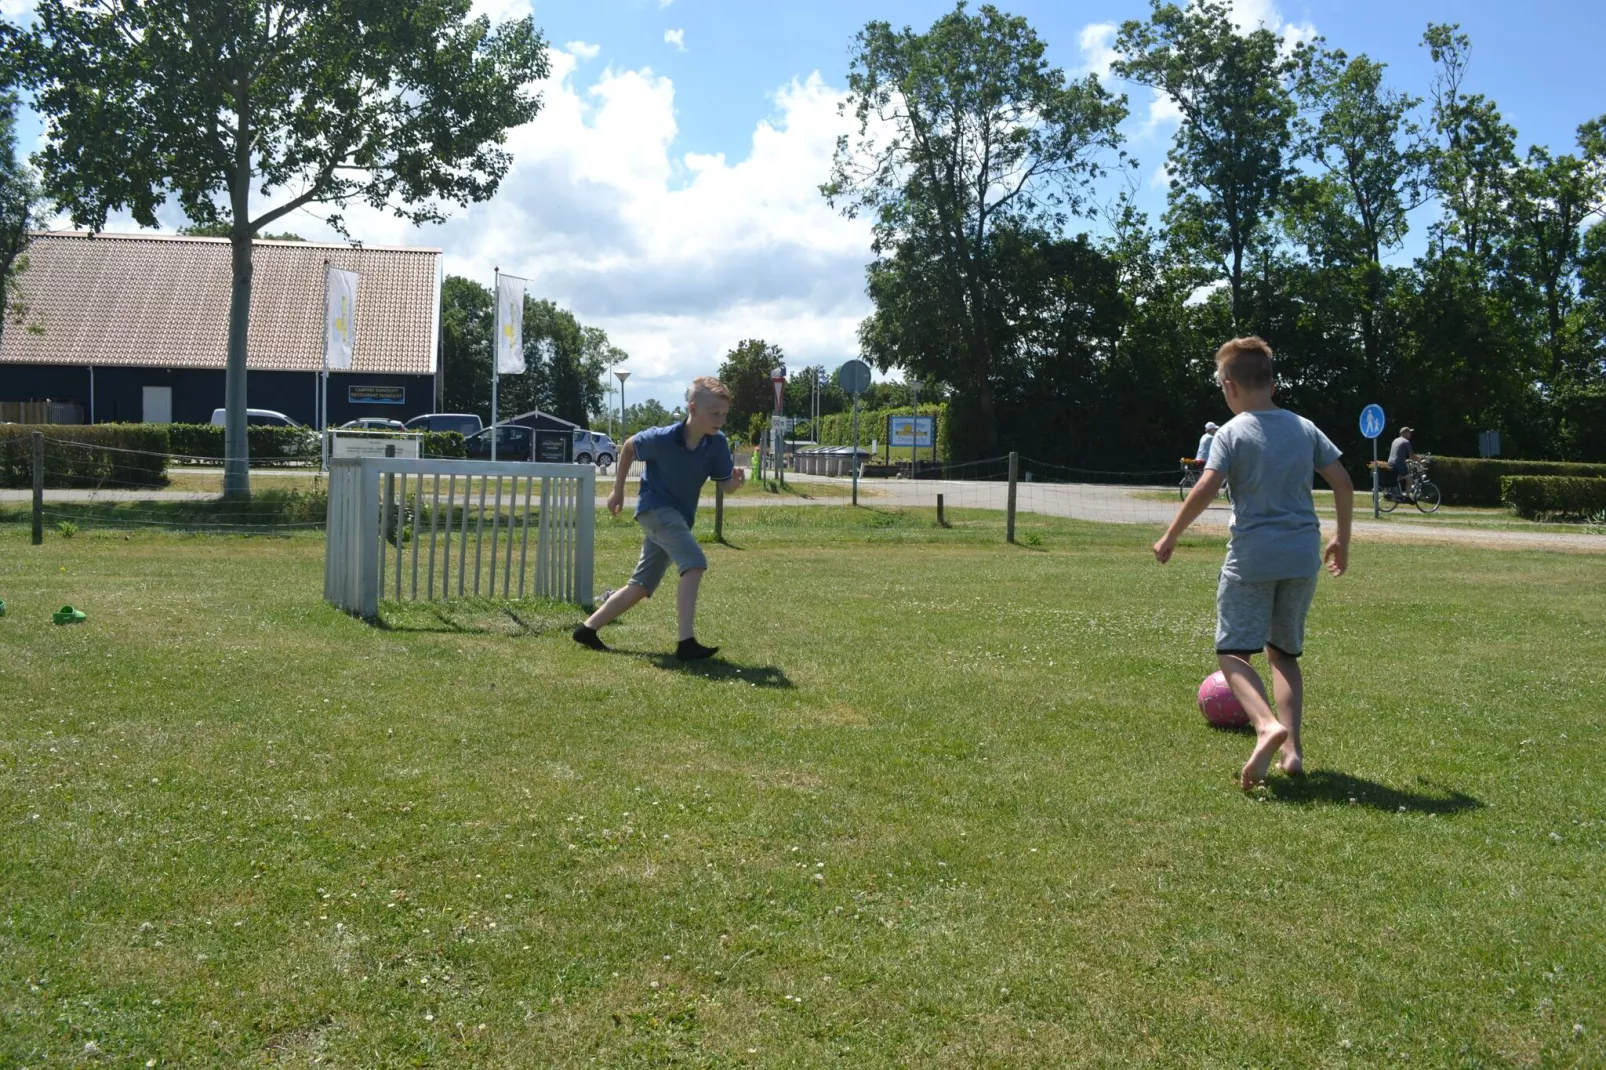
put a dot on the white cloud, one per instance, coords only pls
(500, 11)
(16, 11)
(676, 38)
(677, 254)
(582, 50)
(664, 3)
(1097, 42)
(1161, 179)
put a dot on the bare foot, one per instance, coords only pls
(1291, 763)
(1267, 740)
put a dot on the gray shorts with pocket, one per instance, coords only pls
(665, 537)
(1252, 615)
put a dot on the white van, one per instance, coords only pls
(255, 418)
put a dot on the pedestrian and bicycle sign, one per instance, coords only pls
(1372, 421)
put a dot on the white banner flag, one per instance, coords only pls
(340, 311)
(509, 325)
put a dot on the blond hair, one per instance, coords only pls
(1246, 361)
(707, 386)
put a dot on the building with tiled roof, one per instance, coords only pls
(134, 327)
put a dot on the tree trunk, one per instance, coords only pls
(236, 451)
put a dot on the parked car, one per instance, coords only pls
(513, 443)
(255, 418)
(464, 423)
(372, 423)
(595, 446)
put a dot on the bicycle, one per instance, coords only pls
(1192, 469)
(1422, 492)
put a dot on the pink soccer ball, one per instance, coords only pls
(1219, 705)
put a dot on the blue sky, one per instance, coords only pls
(667, 192)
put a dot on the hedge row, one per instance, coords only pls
(266, 445)
(837, 429)
(103, 455)
(1478, 481)
(1554, 497)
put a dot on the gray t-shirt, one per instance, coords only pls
(1399, 450)
(1270, 458)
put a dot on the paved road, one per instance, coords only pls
(1078, 501)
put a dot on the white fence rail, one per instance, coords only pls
(428, 529)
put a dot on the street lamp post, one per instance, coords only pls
(914, 440)
(624, 428)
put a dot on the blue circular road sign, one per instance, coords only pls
(1372, 421)
(854, 377)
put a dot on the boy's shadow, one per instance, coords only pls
(1341, 789)
(768, 676)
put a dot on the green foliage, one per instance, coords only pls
(67, 528)
(1231, 158)
(746, 371)
(224, 230)
(21, 210)
(112, 456)
(1554, 497)
(969, 148)
(447, 444)
(837, 429)
(1478, 480)
(566, 362)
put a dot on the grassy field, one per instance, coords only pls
(1454, 516)
(940, 802)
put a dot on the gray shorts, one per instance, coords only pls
(665, 537)
(1249, 616)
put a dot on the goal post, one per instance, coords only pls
(430, 529)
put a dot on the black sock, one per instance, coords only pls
(588, 637)
(692, 650)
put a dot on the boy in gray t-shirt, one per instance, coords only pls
(1274, 554)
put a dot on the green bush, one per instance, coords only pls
(1478, 481)
(1554, 497)
(102, 455)
(442, 444)
(265, 445)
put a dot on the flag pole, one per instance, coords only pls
(323, 380)
(496, 343)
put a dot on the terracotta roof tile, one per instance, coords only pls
(159, 301)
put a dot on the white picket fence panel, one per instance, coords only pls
(434, 529)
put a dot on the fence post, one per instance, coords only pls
(1014, 466)
(940, 519)
(38, 487)
(719, 513)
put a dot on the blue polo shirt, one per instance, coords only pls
(675, 475)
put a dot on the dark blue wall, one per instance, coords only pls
(119, 392)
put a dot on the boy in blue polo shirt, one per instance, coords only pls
(680, 458)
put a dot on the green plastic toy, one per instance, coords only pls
(68, 615)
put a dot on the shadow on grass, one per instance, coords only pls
(766, 676)
(465, 619)
(1341, 789)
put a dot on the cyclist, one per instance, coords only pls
(1201, 452)
(1400, 453)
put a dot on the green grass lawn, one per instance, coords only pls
(941, 802)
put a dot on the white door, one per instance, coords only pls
(158, 407)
